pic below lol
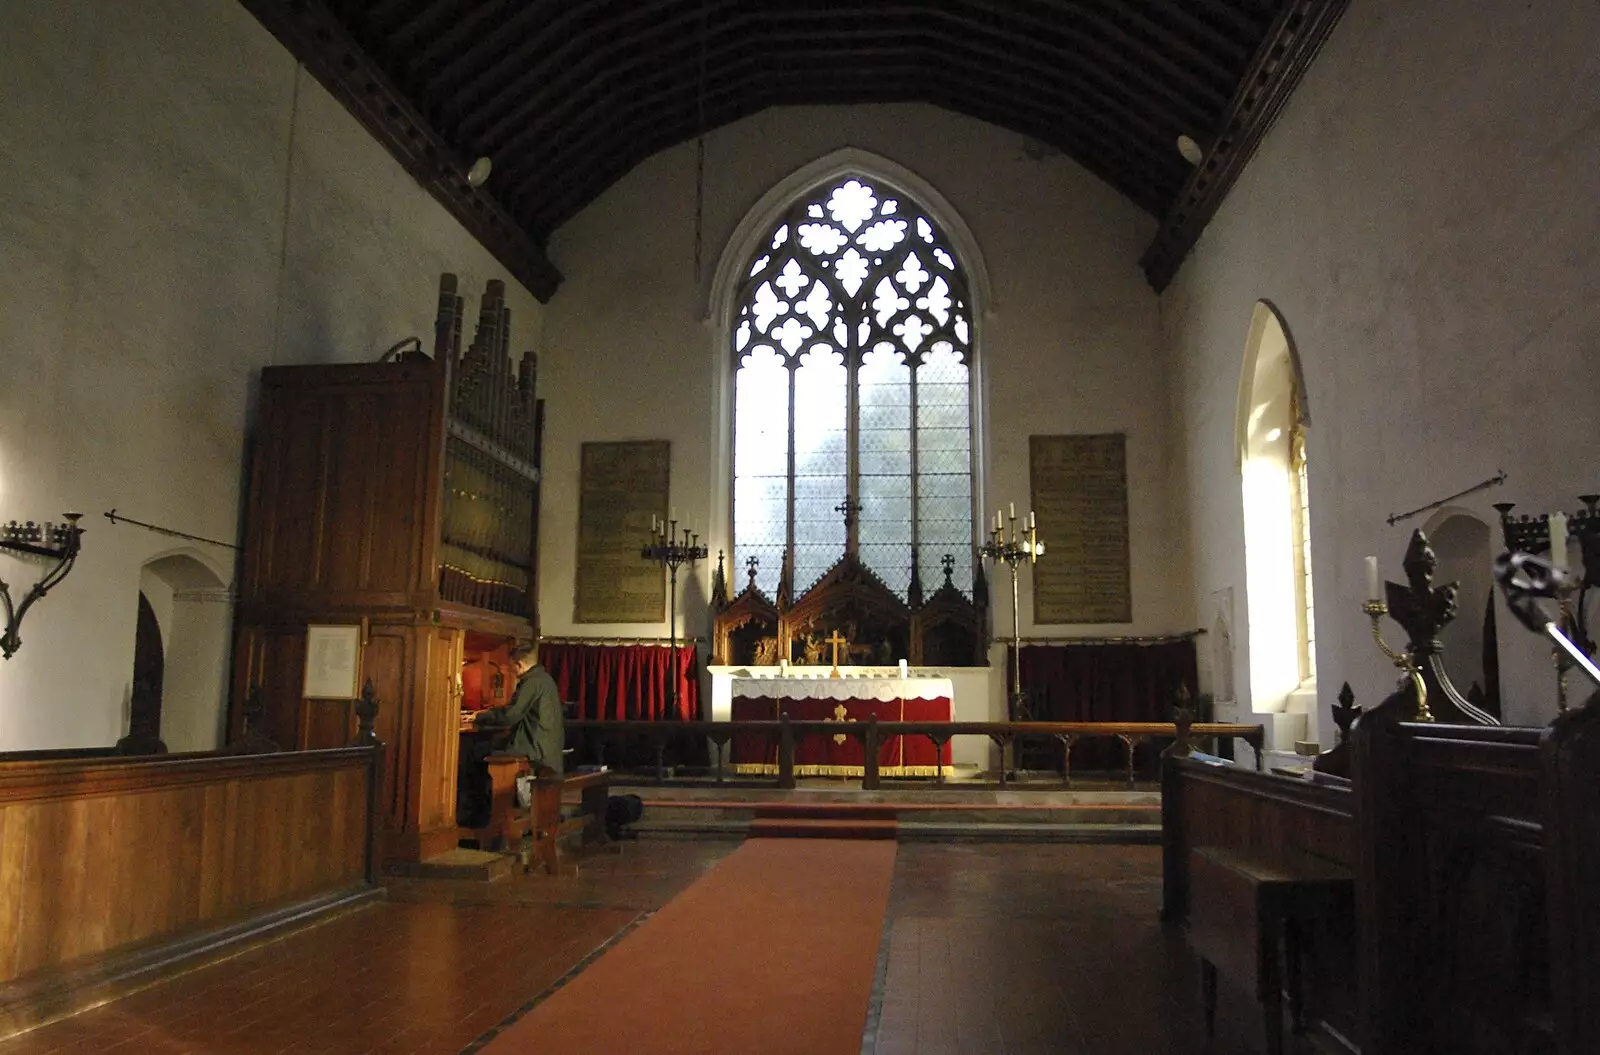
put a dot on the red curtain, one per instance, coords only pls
(1106, 683)
(624, 681)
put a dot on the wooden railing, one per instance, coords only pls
(118, 864)
(871, 733)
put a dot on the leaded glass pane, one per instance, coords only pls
(761, 464)
(854, 275)
(944, 467)
(821, 463)
(884, 462)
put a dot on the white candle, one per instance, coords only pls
(1558, 540)
(652, 523)
(783, 667)
(1032, 523)
(1012, 506)
(1373, 591)
(902, 669)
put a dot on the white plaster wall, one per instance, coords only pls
(1070, 342)
(160, 242)
(1424, 216)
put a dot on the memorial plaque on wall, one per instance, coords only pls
(1080, 496)
(621, 486)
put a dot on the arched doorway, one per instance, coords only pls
(191, 606)
(144, 698)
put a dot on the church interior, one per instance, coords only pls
(1033, 525)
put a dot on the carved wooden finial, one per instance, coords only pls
(366, 715)
(1345, 712)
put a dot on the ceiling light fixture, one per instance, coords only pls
(478, 174)
(1190, 149)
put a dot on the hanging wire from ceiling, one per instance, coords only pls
(700, 152)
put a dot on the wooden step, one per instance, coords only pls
(821, 828)
(825, 811)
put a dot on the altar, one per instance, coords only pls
(843, 700)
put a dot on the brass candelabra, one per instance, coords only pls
(1403, 660)
(672, 553)
(1014, 551)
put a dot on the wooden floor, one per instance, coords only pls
(989, 948)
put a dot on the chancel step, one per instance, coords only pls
(1113, 816)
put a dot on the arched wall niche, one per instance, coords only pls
(1464, 544)
(193, 605)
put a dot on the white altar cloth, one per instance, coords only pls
(845, 688)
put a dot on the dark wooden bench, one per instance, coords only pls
(542, 820)
(1251, 919)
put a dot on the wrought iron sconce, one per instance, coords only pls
(57, 542)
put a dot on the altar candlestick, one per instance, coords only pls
(1013, 509)
(1373, 592)
(902, 670)
(1558, 540)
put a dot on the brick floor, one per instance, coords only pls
(1009, 949)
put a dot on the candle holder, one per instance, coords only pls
(673, 553)
(1404, 661)
(1014, 551)
(52, 542)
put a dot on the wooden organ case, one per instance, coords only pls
(401, 496)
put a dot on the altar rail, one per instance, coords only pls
(117, 866)
(872, 732)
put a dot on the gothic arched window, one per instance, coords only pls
(852, 352)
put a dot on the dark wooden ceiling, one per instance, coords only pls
(566, 96)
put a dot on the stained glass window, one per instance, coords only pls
(852, 351)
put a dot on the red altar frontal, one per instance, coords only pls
(842, 700)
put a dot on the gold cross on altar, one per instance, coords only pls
(838, 642)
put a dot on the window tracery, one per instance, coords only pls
(852, 349)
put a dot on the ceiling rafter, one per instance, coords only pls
(310, 32)
(566, 96)
(532, 121)
(1282, 60)
(581, 111)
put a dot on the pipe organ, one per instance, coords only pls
(401, 497)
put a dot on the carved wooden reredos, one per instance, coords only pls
(945, 629)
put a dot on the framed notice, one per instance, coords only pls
(1080, 496)
(621, 486)
(333, 662)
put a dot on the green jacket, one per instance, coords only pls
(534, 714)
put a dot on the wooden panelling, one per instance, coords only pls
(340, 482)
(101, 854)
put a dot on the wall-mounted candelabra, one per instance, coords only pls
(673, 553)
(1550, 533)
(50, 542)
(1014, 550)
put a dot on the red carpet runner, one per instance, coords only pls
(773, 952)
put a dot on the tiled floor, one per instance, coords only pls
(426, 973)
(992, 948)
(1027, 948)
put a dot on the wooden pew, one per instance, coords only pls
(1474, 852)
(1232, 842)
(117, 867)
(1476, 884)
